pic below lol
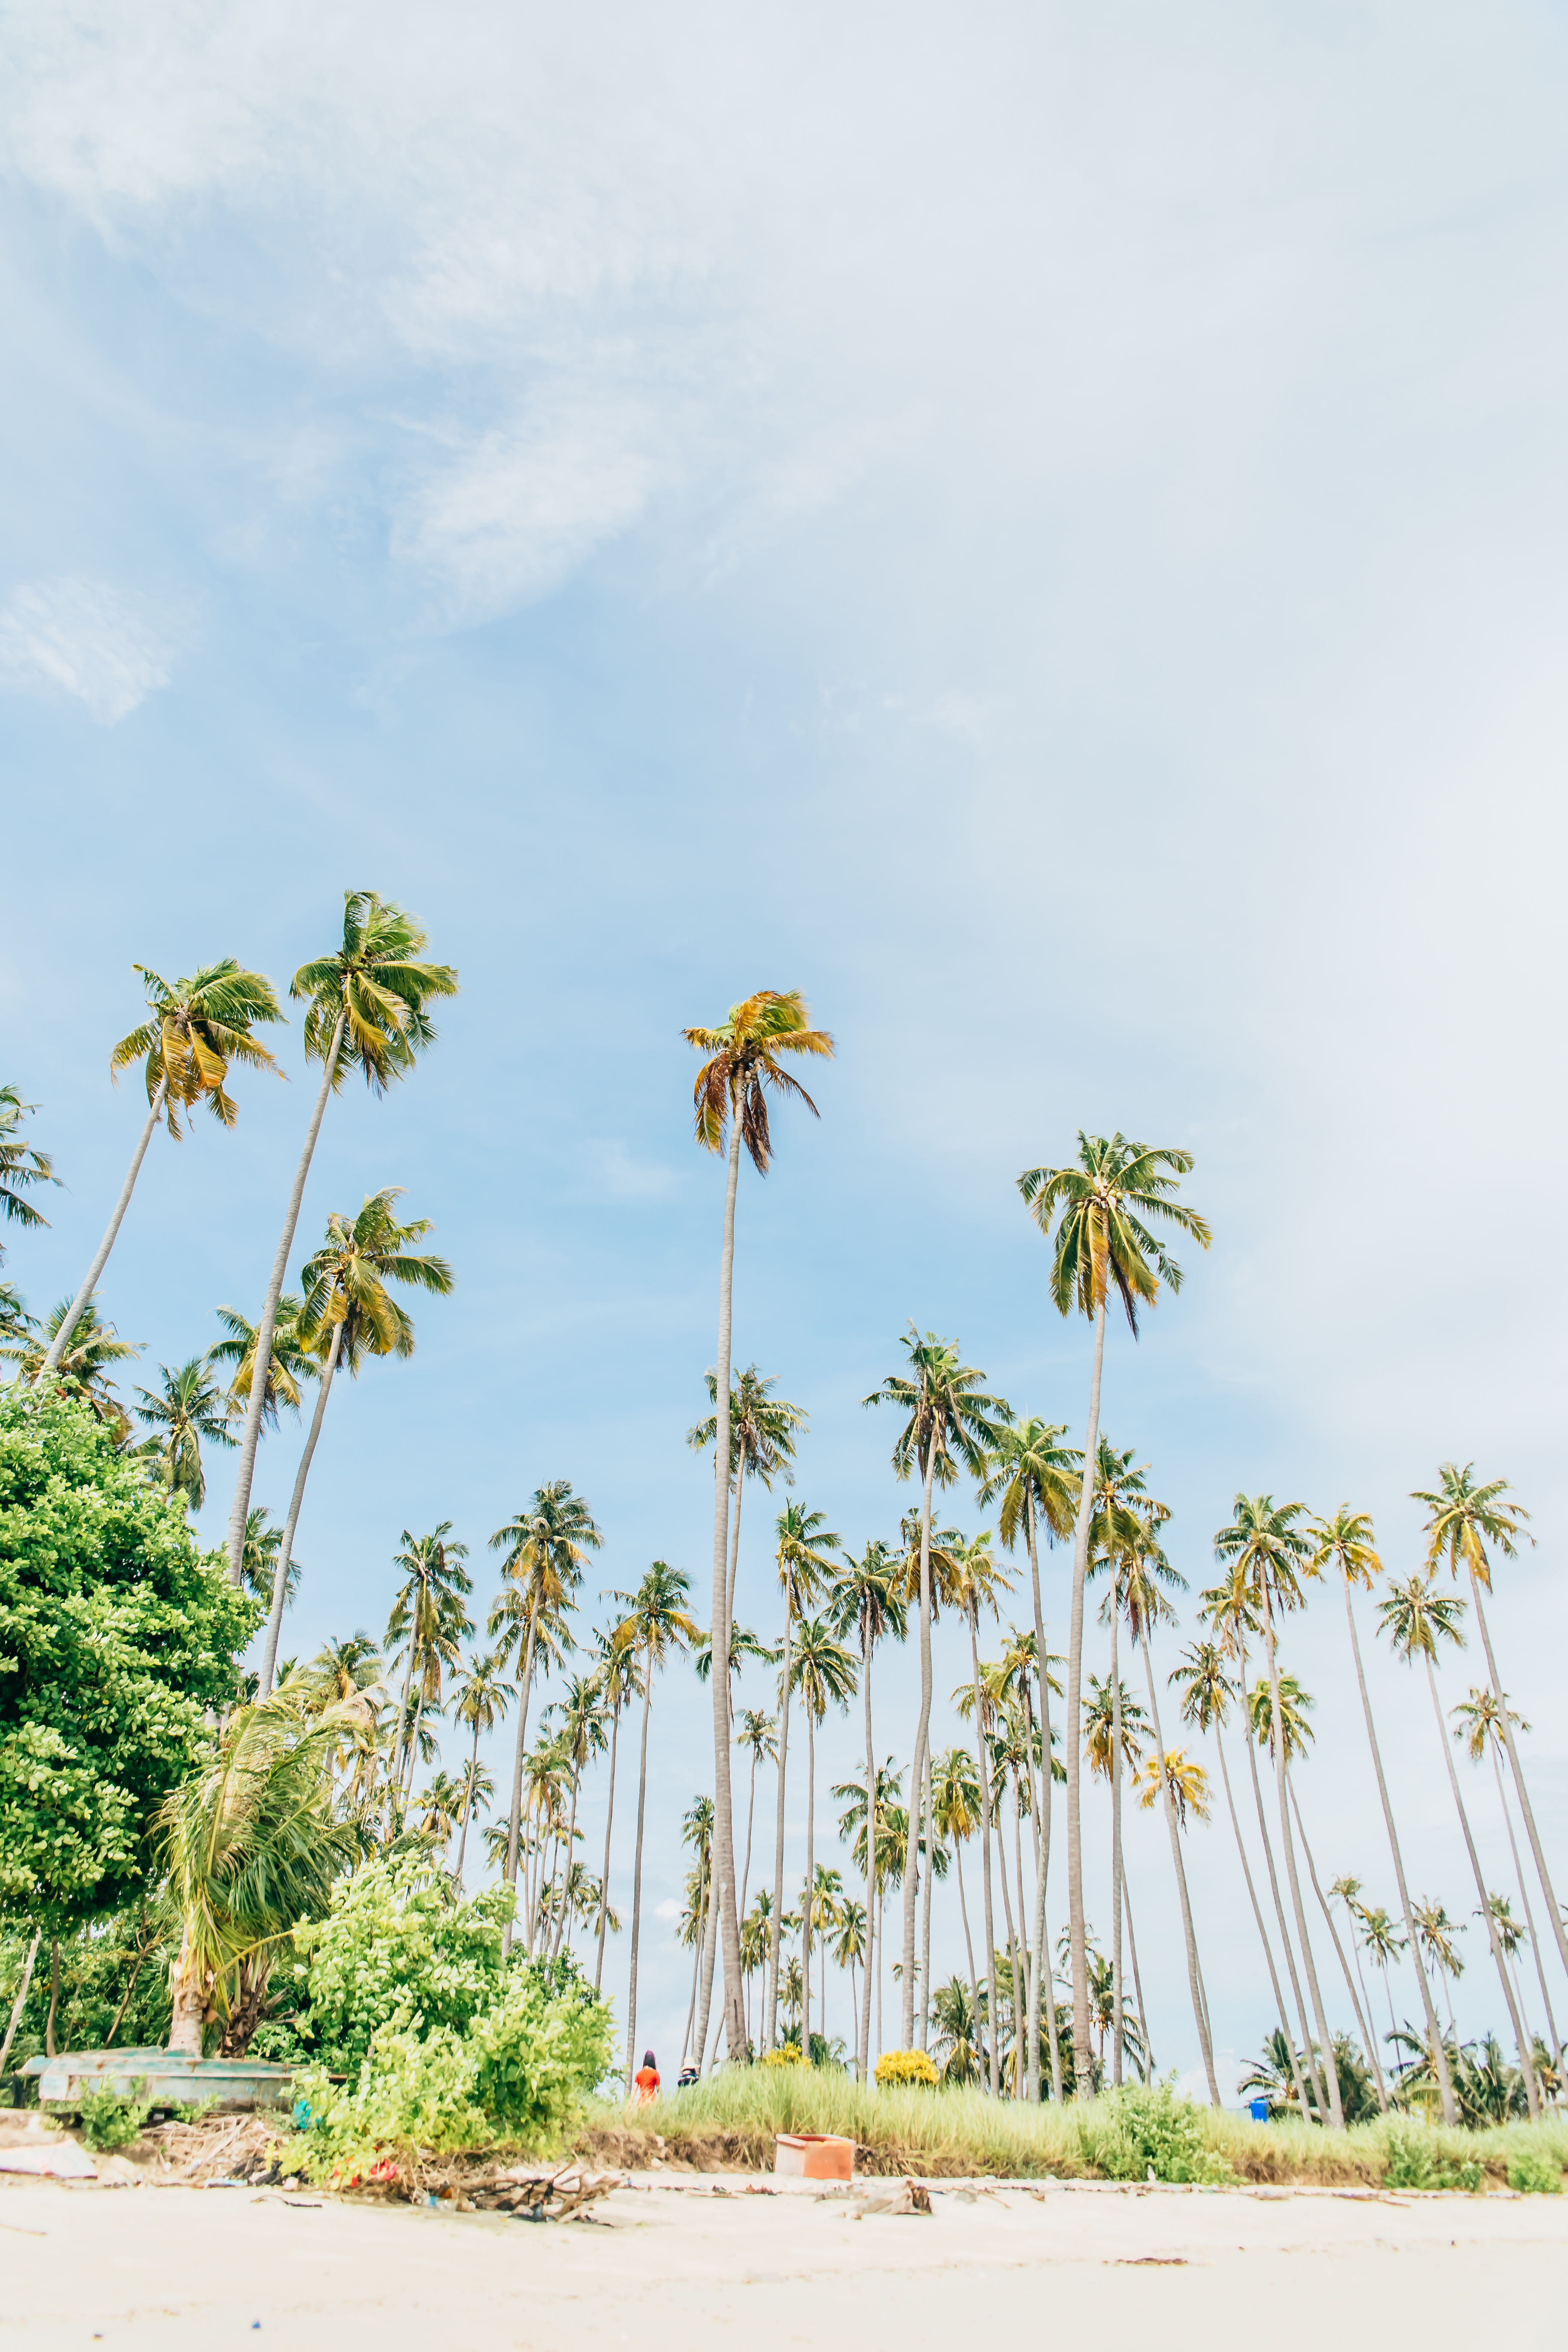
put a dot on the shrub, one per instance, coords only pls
(109, 2122)
(905, 2070)
(786, 2054)
(1535, 2173)
(1146, 2128)
(1415, 2160)
(399, 1948)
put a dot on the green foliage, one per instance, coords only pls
(399, 1949)
(109, 2122)
(117, 1634)
(1146, 2128)
(1417, 2160)
(904, 2069)
(1535, 2172)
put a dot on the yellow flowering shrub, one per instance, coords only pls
(902, 2068)
(786, 2054)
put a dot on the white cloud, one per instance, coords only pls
(616, 1173)
(669, 1909)
(80, 637)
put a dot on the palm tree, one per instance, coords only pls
(1115, 1531)
(979, 1584)
(1037, 1479)
(1478, 1721)
(762, 1444)
(696, 1832)
(1378, 1937)
(1104, 1239)
(188, 1410)
(290, 1362)
(950, 1422)
(1416, 1618)
(482, 1698)
(742, 1065)
(1438, 1931)
(1362, 2016)
(759, 1736)
(620, 1684)
(743, 1646)
(956, 1814)
(437, 1806)
(428, 1622)
(1466, 1517)
(823, 1671)
(546, 1548)
(259, 1564)
(866, 1607)
(827, 1888)
(582, 1738)
(1344, 1541)
(851, 1945)
(365, 1012)
(1270, 1552)
(805, 1571)
(83, 1370)
(657, 1625)
(348, 1313)
(22, 1165)
(198, 1026)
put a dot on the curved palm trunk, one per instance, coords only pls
(994, 2064)
(1117, 2036)
(1552, 1911)
(771, 2004)
(637, 1884)
(916, 1781)
(1040, 1962)
(723, 1818)
(1200, 2011)
(1434, 2031)
(1281, 1781)
(514, 1824)
(20, 2004)
(1138, 1984)
(468, 1804)
(863, 2050)
(268, 1326)
(1522, 2038)
(1021, 1964)
(1360, 2016)
(188, 2018)
(1082, 2069)
(285, 1547)
(925, 1906)
(1281, 2009)
(61, 1339)
(609, 1824)
(1556, 2039)
(805, 1908)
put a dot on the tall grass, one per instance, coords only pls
(731, 2120)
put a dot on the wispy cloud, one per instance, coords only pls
(81, 638)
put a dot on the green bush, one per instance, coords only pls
(399, 1948)
(1535, 2172)
(109, 2122)
(1146, 2128)
(1415, 2160)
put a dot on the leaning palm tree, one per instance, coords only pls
(483, 1696)
(348, 1313)
(1116, 1529)
(655, 1627)
(806, 1570)
(365, 1012)
(866, 1607)
(950, 1423)
(1477, 1729)
(83, 1370)
(185, 1412)
(1465, 1517)
(1344, 1542)
(822, 1671)
(1269, 1551)
(1416, 1618)
(198, 1027)
(1103, 1241)
(22, 1165)
(742, 1065)
(546, 1549)
(428, 1622)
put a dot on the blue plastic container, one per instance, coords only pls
(1259, 2110)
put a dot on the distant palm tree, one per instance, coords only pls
(83, 1370)
(957, 1813)
(428, 1622)
(1380, 1937)
(866, 1608)
(655, 1627)
(482, 1698)
(198, 1027)
(438, 1808)
(365, 1012)
(185, 1410)
(348, 1313)
(546, 1548)
(762, 1442)
(980, 1584)
(823, 1672)
(620, 1684)
(290, 1362)
(582, 1735)
(260, 1565)
(1477, 1729)
(22, 1165)
(950, 1423)
(758, 1736)
(1115, 1529)
(1103, 1241)
(805, 1571)
(742, 1065)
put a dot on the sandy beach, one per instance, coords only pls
(726, 2262)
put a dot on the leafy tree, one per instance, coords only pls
(823, 1672)
(428, 1619)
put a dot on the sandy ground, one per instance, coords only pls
(684, 2266)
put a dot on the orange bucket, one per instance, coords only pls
(814, 2156)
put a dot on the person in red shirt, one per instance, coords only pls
(647, 2080)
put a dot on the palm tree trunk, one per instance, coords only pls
(805, 1907)
(1552, 1911)
(609, 1824)
(189, 2013)
(1434, 2031)
(269, 1324)
(708, 1950)
(1281, 2009)
(1199, 2010)
(771, 1982)
(710, 1937)
(1285, 1946)
(703, 1908)
(467, 1803)
(992, 2063)
(1361, 2017)
(1041, 1964)
(61, 1339)
(636, 1883)
(1281, 1773)
(1528, 1913)
(925, 1904)
(1116, 2034)
(286, 1547)
(723, 1818)
(968, 1939)
(751, 1815)
(1021, 1965)
(882, 1940)
(1082, 2069)
(922, 1733)
(1030, 2089)
(863, 2050)
(514, 1827)
(1138, 1983)
(558, 1934)
(20, 2004)
(1012, 1940)
(1522, 2038)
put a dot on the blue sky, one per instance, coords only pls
(1041, 528)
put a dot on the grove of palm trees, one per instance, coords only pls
(211, 1841)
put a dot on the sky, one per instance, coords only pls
(1039, 527)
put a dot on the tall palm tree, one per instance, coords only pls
(83, 1370)
(185, 1410)
(620, 1684)
(365, 1012)
(742, 1065)
(696, 1832)
(582, 1735)
(1476, 1730)
(198, 1027)
(1270, 1551)
(1438, 1931)
(950, 1422)
(1037, 1479)
(759, 1736)
(956, 1815)
(1115, 1532)
(1466, 1517)
(1344, 1542)
(290, 1362)
(482, 1697)
(348, 1313)
(1103, 1241)
(546, 1549)
(866, 1607)
(805, 1571)
(1416, 1618)
(979, 1584)
(743, 1646)
(657, 1625)
(1379, 1938)
(823, 1672)
(428, 1622)
(22, 1165)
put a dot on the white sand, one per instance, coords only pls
(1160, 2270)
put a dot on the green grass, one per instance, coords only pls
(729, 2121)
